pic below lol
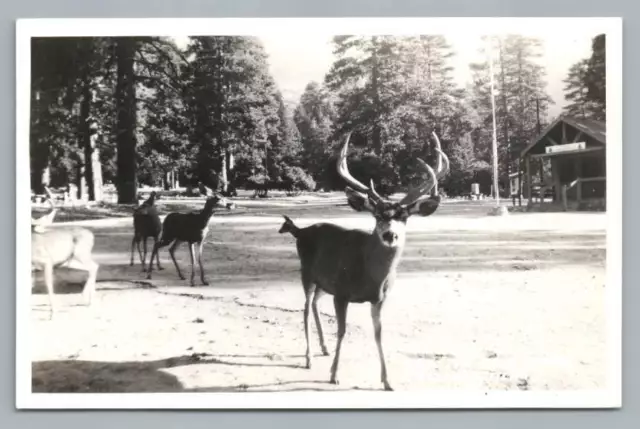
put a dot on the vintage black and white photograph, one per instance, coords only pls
(319, 213)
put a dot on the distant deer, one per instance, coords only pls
(52, 247)
(191, 227)
(357, 266)
(146, 223)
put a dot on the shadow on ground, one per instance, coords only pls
(78, 376)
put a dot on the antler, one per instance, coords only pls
(424, 188)
(441, 156)
(343, 170)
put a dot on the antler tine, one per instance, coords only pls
(442, 157)
(373, 191)
(415, 193)
(343, 170)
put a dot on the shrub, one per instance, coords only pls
(295, 180)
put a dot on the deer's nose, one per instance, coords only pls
(389, 236)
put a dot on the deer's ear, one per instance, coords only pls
(358, 201)
(426, 207)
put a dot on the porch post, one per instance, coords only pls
(579, 176)
(528, 176)
(556, 179)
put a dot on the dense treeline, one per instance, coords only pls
(147, 112)
(585, 85)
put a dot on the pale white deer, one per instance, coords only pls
(54, 246)
(356, 266)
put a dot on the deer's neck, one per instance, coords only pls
(205, 216)
(381, 260)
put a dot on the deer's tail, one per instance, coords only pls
(289, 226)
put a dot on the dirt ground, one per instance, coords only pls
(481, 303)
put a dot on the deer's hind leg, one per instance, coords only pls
(314, 305)
(144, 255)
(341, 304)
(172, 250)
(155, 243)
(91, 267)
(309, 289)
(134, 241)
(48, 281)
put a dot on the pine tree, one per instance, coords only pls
(596, 77)
(576, 91)
(364, 80)
(314, 117)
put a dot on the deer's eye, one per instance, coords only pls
(400, 216)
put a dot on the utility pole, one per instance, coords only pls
(496, 190)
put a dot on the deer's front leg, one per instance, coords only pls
(199, 248)
(340, 305)
(376, 309)
(193, 262)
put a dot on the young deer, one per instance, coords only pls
(190, 227)
(146, 223)
(52, 247)
(357, 266)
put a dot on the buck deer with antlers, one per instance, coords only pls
(357, 266)
(53, 247)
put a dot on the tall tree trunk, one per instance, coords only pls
(126, 121)
(223, 172)
(377, 137)
(39, 146)
(86, 140)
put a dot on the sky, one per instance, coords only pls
(296, 61)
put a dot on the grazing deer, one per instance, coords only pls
(190, 227)
(52, 247)
(146, 223)
(357, 266)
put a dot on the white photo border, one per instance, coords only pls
(608, 397)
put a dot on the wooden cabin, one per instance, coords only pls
(567, 161)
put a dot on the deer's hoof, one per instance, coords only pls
(183, 278)
(388, 388)
(160, 268)
(308, 365)
(205, 283)
(325, 352)
(131, 264)
(148, 276)
(334, 380)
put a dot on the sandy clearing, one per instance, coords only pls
(481, 303)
